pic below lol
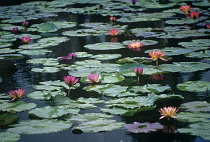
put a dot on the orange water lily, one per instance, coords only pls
(194, 15)
(155, 55)
(135, 45)
(168, 112)
(185, 8)
(17, 94)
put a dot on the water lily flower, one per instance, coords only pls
(135, 45)
(155, 55)
(70, 81)
(114, 32)
(194, 15)
(138, 72)
(17, 94)
(168, 112)
(64, 58)
(208, 26)
(15, 30)
(157, 76)
(133, 2)
(25, 23)
(25, 39)
(185, 8)
(94, 77)
(72, 55)
(112, 18)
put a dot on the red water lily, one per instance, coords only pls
(194, 15)
(112, 18)
(185, 8)
(25, 39)
(114, 32)
(17, 94)
(208, 26)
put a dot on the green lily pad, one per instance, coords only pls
(11, 56)
(201, 54)
(198, 44)
(44, 61)
(39, 126)
(113, 78)
(17, 106)
(106, 56)
(183, 67)
(9, 137)
(45, 95)
(193, 117)
(46, 70)
(99, 125)
(8, 118)
(104, 46)
(185, 21)
(198, 129)
(194, 86)
(34, 52)
(7, 50)
(196, 106)
(49, 112)
(47, 27)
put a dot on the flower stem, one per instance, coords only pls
(138, 79)
(69, 92)
(156, 62)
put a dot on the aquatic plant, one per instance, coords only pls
(156, 55)
(185, 9)
(93, 78)
(64, 58)
(17, 94)
(208, 26)
(135, 45)
(138, 72)
(157, 76)
(26, 39)
(70, 81)
(15, 30)
(72, 55)
(112, 18)
(113, 32)
(168, 112)
(133, 2)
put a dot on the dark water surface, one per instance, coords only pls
(17, 74)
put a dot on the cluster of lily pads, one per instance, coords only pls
(116, 80)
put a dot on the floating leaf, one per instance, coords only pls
(48, 27)
(99, 125)
(49, 112)
(193, 117)
(45, 95)
(39, 126)
(196, 106)
(46, 70)
(104, 46)
(8, 118)
(106, 56)
(9, 137)
(17, 106)
(138, 127)
(194, 86)
(113, 78)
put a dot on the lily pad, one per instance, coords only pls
(16, 106)
(49, 112)
(106, 56)
(194, 86)
(46, 69)
(146, 127)
(45, 95)
(99, 125)
(8, 118)
(193, 117)
(39, 126)
(9, 137)
(48, 27)
(196, 106)
(104, 46)
(34, 52)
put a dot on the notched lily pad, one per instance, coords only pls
(196, 106)
(194, 86)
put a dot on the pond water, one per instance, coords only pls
(99, 112)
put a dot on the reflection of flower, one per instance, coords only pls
(64, 58)
(72, 55)
(157, 76)
(114, 39)
(25, 39)
(112, 18)
(168, 112)
(16, 94)
(135, 45)
(169, 129)
(208, 26)
(70, 81)
(185, 8)
(155, 55)
(114, 32)
(94, 77)
(133, 2)
(194, 15)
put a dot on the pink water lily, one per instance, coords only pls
(64, 58)
(113, 32)
(15, 29)
(70, 81)
(138, 72)
(17, 94)
(135, 45)
(93, 78)
(72, 55)
(25, 39)
(25, 23)
(155, 55)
